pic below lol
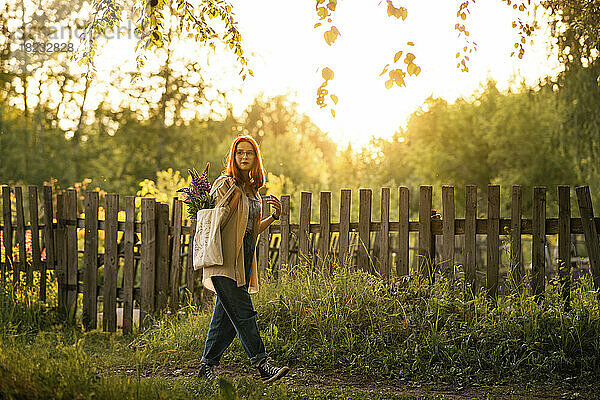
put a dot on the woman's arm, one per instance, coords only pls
(273, 201)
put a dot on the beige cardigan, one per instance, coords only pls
(233, 229)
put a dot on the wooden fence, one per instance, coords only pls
(142, 264)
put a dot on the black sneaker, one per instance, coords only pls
(207, 372)
(270, 373)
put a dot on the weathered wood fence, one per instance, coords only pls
(146, 261)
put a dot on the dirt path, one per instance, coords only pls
(333, 380)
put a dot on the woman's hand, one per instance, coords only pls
(276, 204)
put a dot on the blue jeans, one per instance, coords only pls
(234, 315)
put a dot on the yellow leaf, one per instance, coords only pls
(322, 12)
(327, 74)
(409, 58)
(331, 5)
(410, 43)
(388, 84)
(384, 69)
(333, 113)
(397, 56)
(334, 98)
(412, 69)
(317, 25)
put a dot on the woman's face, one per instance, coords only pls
(245, 156)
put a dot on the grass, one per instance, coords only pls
(343, 323)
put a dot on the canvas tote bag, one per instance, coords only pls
(207, 239)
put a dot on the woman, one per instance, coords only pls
(237, 278)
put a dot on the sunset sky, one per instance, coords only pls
(286, 54)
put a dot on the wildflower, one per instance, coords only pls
(197, 196)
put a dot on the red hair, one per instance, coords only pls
(257, 174)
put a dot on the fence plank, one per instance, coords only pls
(384, 237)
(364, 230)
(448, 235)
(303, 229)
(538, 257)
(344, 235)
(48, 240)
(35, 230)
(564, 243)
(20, 236)
(161, 285)
(589, 230)
(403, 236)
(72, 255)
(61, 253)
(90, 261)
(425, 257)
(493, 240)
(111, 263)
(189, 264)
(516, 252)
(263, 241)
(284, 252)
(6, 233)
(470, 235)
(176, 256)
(148, 253)
(128, 264)
(325, 226)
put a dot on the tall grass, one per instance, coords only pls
(319, 319)
(413, 330)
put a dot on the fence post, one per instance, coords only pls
(384, 237)
(128, 265)
(564, 243)
(161, 286)
(6, 232)
(538, 257)
(448, 229)
(22, 264)
(48, 240)
(589, 230)
(425, 257)
(470, 236)
(148, 253)
(176, 255)
(35, 230)
(493, 240)
(284, 253)
(364, 230)
(324, 226)
(403, 236)
(90, 261)
(516, 252)
(304, 226)
(111, 263)
(344, 237)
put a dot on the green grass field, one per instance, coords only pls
(345, 335)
